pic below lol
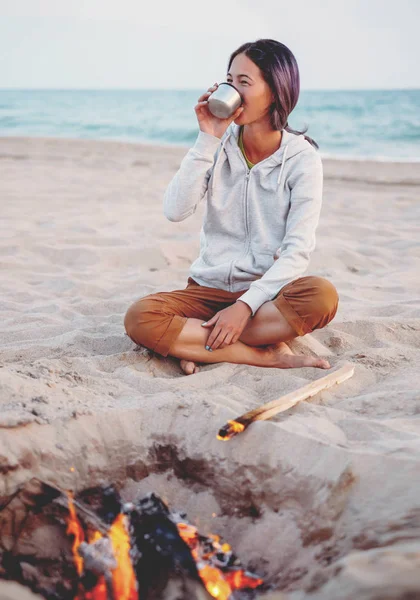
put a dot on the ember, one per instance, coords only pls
(211, 557)
(230, 429)
(132, 551)
(155, 536)
(161, 543)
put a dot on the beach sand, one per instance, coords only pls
(334, 481)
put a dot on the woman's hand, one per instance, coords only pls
(207, 122)
(229, 324)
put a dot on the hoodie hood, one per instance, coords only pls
(291, 145)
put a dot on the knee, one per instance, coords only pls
(138, 319)
(132, 318)
(326, 295)
(325, 302)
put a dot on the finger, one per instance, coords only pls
(206, 94)
(211, 321)
(213, 336)
(200, 105)
(228, 340)
(219, 340)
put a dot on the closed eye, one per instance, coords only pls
(230, 81)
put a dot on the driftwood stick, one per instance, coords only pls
(262, 413)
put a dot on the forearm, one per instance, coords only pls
(189, 184)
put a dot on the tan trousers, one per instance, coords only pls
(155, 321)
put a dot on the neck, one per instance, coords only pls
(259, 142)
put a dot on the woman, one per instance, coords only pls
(263, 186)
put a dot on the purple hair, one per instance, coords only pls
(280, 71)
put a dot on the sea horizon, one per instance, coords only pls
(375, 124)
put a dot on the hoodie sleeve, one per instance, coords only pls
(306, 184)
(189, 184)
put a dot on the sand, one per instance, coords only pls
(333, 482)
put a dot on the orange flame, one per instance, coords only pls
(229, 430)
(215, 583)
(74, 528)
(124, 581)
(239, 579)
(219, 584)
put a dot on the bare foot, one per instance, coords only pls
(282, 357)
(189, 367)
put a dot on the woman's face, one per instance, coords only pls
(256, 93)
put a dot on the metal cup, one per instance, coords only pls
(224, 101)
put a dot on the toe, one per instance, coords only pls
(325, 364)
(188, 366)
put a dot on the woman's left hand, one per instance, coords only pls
(229, 324)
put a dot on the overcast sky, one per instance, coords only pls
(185, 44)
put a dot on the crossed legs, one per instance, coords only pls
(158, 322)
(261, 344)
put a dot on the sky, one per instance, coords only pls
(185, 44)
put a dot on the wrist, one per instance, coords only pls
(249, 309)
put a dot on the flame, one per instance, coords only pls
(124, 583)
(236, 427)
(74, 528)
(238, 579)
(220, 584)
(229, 430)
(124, 579)
(99, 592)
(215, 583)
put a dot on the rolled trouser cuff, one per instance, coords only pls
(170, 334)
(291, 316)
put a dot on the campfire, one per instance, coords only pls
(110, 550)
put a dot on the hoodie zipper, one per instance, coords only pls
(248, 172)
(246, 205)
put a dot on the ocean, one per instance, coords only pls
(358, 124)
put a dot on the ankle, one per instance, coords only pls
(267, 355)
(274, 356)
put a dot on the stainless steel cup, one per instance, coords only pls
(224, 101)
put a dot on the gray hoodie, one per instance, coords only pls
(259, 224)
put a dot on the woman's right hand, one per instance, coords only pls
(207, 122)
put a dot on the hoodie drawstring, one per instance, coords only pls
(282, 165)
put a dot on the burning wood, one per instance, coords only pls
(98, 558)
(165, 552)
(200, 557)
(112, 573)
(265, 412)
(135, 551)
